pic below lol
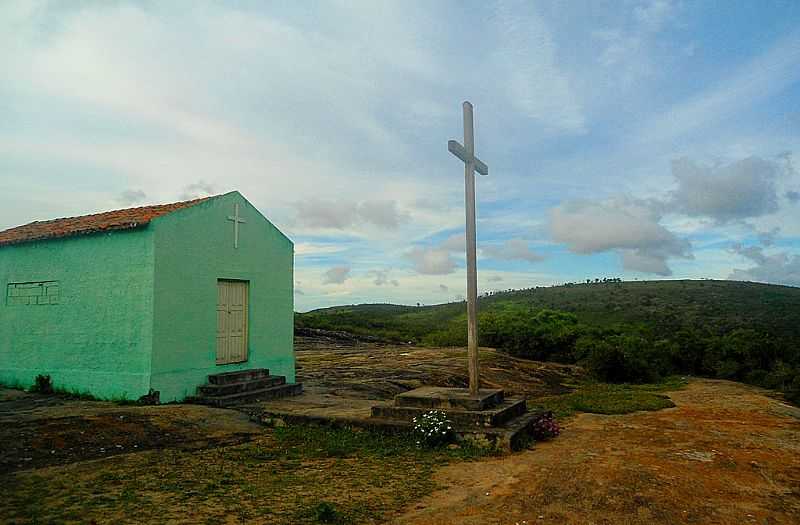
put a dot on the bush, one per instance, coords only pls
(625, 359)
(43, 384)
(433, 429)
(324, 512)
(522, 332)
(793, 390)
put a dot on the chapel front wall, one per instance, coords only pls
(194, 248)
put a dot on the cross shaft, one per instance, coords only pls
(471, 164)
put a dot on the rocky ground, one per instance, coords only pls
(345, 366)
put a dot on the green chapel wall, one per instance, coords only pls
(92, 330)
(193, 249)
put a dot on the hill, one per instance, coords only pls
(666, 306)
(619, 331)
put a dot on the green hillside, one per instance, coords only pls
(620, 331)
(666, 306)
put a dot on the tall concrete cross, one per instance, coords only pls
(236, 222)
(471, 164)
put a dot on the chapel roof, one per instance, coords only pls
(125, 219)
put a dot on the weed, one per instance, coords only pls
(43, 385)
(325, 512)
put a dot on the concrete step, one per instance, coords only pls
(515, 434)
(238, 376)
(251, 396)
(242, 386)
(461, 419)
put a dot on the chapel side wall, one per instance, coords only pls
(95, 335)
(193, 249)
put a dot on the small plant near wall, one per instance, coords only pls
(545, 427)
(43, 384)
(432, 429)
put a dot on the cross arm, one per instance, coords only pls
(459, 151)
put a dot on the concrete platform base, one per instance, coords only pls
(510, 423)
(513, 435)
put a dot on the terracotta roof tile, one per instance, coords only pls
(110, 220)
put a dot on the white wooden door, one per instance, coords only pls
(231, 322)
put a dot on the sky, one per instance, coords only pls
(635, 139)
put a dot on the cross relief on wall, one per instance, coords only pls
(237, 220)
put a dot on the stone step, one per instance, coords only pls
(242, 386)
(461, 419)
(263, 394)
(238, 376)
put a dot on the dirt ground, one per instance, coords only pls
(39, 431)
(727, 454)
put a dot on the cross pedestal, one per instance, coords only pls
(488, 418)
(481, 413)
(441, 398)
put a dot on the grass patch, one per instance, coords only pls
(295, 474)
(605, 398)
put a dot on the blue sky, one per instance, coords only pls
(634, 139)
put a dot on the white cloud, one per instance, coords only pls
(302, 249)
(629, 226)
(767, 74)
(382, 213)
(431, 261)
(455, 243)
(740, 190)
(197, 189)
(526, 55)
(336, 275)
(318, 213)
(381, 278)
(654, 14)
(512, 249)
(342, 215)
(776, 268)
(130, 197)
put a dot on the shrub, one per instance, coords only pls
(324, 512)
(433, 429)
(793, 390)
(624, 359)
(522, 332)
(545, 427)
(43, 384)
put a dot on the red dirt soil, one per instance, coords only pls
(727, 454)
